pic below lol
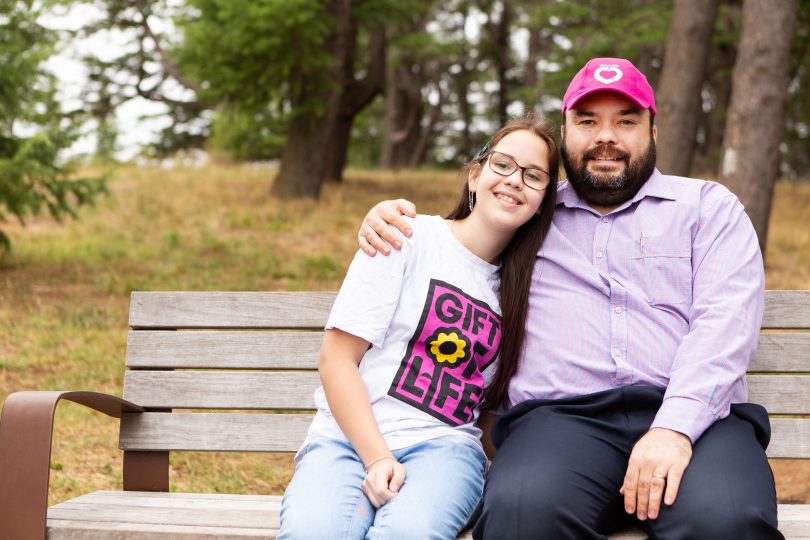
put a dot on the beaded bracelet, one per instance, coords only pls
(377, 460)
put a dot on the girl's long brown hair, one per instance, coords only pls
(518, 258)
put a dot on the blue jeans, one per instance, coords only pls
(444, 480)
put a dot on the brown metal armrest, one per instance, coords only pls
(26, 429)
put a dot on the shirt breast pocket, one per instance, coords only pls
(662, 268)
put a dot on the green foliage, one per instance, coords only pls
(249, 53)
(248, 136)
(33, 129)
(633, 29)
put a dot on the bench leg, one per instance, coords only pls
(146, 471)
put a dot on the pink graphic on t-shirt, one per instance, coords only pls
(457, 337)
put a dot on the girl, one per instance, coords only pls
(394, 450)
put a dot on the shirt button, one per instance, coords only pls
(598, 254)
(618, 310)
(617, 352)
(604, 220)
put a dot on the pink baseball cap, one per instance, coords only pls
(610, 75)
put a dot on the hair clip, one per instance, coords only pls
(483, 150)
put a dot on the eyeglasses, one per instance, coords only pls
(504, 165)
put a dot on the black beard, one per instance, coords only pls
(599, 190)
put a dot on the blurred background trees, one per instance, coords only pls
(33, 126)
(319, 84)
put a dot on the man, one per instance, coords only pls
(644, 313)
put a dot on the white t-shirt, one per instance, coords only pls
(432, 315)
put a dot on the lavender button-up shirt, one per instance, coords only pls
(666, 290)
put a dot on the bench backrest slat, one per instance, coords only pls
(780, 394)
(790, 438)
(263, 349)
(257, 352)
(230, 309)
(782, 352)
(783, 309)
(221, 390)
(214, 432)
(227, 432)
(787, 309)
(204, 349)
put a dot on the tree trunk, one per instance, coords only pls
(316, 145)
(501, 53)
(301, 174)
(530, 74)
(465, 108)
(718, 78)
(756, 121)
(420, 149)
(338, 147)
(403, 115)
(679, 97)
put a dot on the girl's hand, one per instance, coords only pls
(383, 480)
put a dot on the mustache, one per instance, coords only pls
(604, 150)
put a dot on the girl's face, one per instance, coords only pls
(502, 198)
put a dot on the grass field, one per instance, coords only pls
(64, 292)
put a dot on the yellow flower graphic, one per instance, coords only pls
(448, 347)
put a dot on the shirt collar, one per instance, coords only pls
(656, 186)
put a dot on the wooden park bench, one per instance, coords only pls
(254, 355)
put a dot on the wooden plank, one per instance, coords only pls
(221, 390)
(230, 309)
(214, 432)
(783, 309)
(203, 349)
(787, 309)
(782, 352)
(790, 438)
(58, 529)
(780, 394)
(178, 500)
(200, 349)
(138, 515)
(233, 516)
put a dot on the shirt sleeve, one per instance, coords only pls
(728, 282)
(369, 295)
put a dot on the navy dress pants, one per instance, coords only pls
(560, 464)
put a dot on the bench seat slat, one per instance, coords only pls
(199, 517)
(214, 432)
(140, 516)
(221, 390)
(58, 529)
(203, 349)
(230, 309)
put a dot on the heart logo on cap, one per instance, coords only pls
(607, 74)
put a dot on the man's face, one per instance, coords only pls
(608, 148)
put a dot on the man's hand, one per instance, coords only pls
(656, 467)
(375, 234)
(383, 481)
